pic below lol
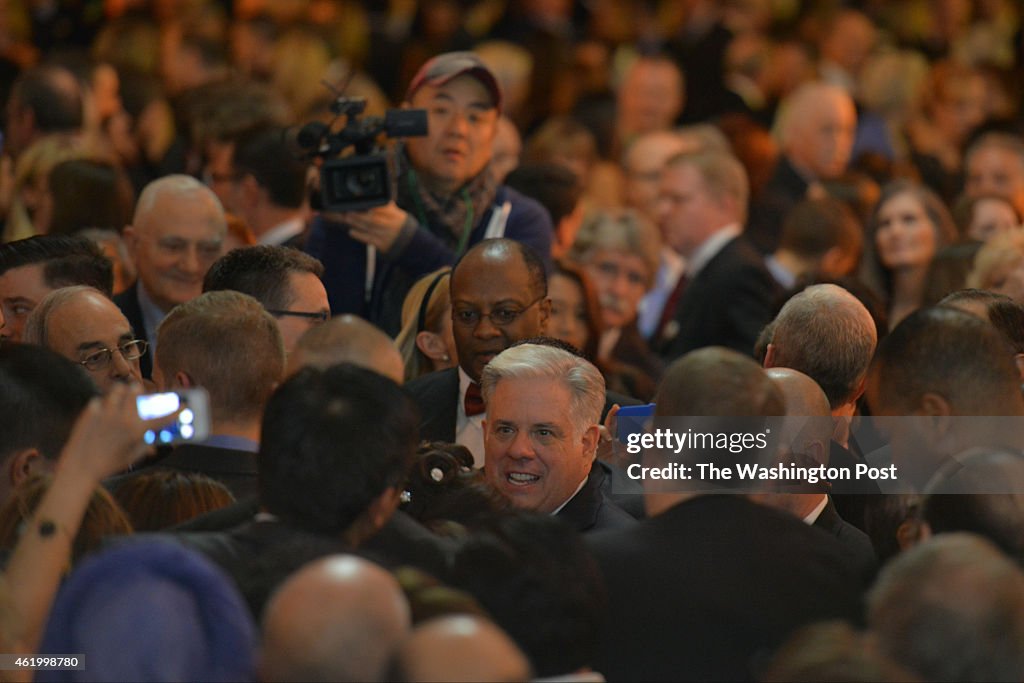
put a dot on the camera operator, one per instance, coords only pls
(447, 199)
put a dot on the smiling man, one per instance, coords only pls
(175, 236)
(447, 199)
(541, 435)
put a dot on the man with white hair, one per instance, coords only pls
(816, 127)
(175, 236)
(541, 434)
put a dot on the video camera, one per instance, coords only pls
(362, 180)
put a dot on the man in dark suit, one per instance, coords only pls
(225, 342)
(818, 123)
(499, 297)
(541, 435)
(262, 181)
(725, 295)
(176, 234)
(708, 583)
(826, 333)
(806, 435)
(347, 421)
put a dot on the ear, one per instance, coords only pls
(769, 356)
(182, 380)
(591, 439)
(431, 345)
(1018, 358)
(833, 262)
(858, 390)
(252, 191)
(23, 464)
(545, 314)
(383, 507)
(130, 235)
(817, 451)
(935, 405)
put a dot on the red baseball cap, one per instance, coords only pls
(443, 68)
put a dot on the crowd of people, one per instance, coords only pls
(422, 359)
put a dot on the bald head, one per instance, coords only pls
(83, 325)
(460, 648)
(808, 424)
(816, 129)
(716, 381)
(828, 334)
(337, 619)
(951, 609)
(505, 281)
(175, 236)
(802, 394)
(347, 339)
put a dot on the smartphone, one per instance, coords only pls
(633, 420)
(191, 424)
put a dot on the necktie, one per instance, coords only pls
(474, 401)
(669, 312)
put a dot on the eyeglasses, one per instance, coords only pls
(100, 359)
(499, 317)
(317, 316)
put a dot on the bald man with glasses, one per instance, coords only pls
(83, 325)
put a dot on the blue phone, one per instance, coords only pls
(632, 420)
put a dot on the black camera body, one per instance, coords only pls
(361, 180)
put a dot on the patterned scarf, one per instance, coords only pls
(445, 216)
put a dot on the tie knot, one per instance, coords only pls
(474, 401)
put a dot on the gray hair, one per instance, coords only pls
(35, 331)
(952, 609)
(537, 361)
(722, 174)
(177, 184)
(827, 334)
(626, 231)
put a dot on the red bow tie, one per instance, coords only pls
(474, 401)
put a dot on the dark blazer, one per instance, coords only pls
(258, 556)
(851, 497)
(726, 304)
(590, 510)
(128, 302)
(856, 543)
(436, 394)
(707, 588)
(784, 190)
(235, 469)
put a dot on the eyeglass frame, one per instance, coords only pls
(321, 316)
(489, 316)
(108, 355)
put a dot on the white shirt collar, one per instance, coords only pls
(578, 489)
(282, 232)
(813, 515)
(710, 248)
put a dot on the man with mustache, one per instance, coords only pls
(621, 254)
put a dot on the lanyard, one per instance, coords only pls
(421, 212)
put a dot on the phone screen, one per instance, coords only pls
(157, 405)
